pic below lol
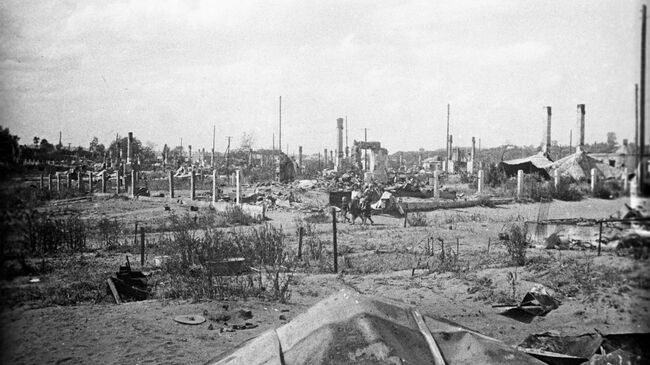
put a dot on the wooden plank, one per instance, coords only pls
(435, 351)
(111, 286)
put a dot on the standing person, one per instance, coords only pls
(366, 210)
(355, 210)
(345, 206)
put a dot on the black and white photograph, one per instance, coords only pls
(324, 182)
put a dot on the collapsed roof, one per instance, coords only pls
(578, 166)
(351, 328)
(538, 163)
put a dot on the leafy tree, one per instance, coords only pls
(36, 141)
(46, 146)
(9, 149)
(96, 148)
(136, 147)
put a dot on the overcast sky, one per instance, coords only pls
(168, 70)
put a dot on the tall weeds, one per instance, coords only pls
(200, 255)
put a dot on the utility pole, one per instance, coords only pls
(447, 141)
(636, 124)
(280, 131)
(214, 133)
(642, 165)
(228, 155)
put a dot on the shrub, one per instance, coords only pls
(235, 215)
(494, 176)
(516, 244)
(109, 232)
(567, 190)
(46, 235)
(418, 219)
(608, 189)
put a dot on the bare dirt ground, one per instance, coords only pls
(614, 296)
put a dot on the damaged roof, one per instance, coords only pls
(538, 163)
(350, 328)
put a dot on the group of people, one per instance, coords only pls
(358, 207)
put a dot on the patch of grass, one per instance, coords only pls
(320, 217)
(417, 219)
(376, 262)
(578, 276)
(65, 281)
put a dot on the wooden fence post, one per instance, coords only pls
(170, 179)
(300, 232)
(80, 181)
(104, 181)
(214, 186)
(192, 185)
(133, 183)
(141, 246)
(520, 184)
(336, 259)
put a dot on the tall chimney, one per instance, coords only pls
(300, 157)
(473, 148)
(325, 157)
(332, 157)
(450, 144)
(581, 127)
(339, 157)
(118, 153)
(189, 149)
(546, 146)
(129, 140)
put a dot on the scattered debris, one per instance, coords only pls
(595, 348)
(159, 261)
(127, 283)
(229, 266)
(537, 302)
(189, 319)
(246, 313)
(245, 326)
